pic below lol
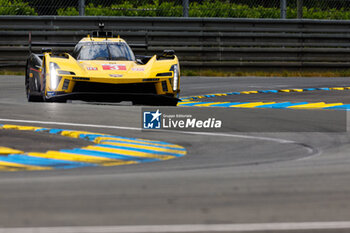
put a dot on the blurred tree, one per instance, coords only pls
(50, 7)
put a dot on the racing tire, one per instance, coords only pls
(33, 98)
(29, 95)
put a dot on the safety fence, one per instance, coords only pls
(311, 9)
(200, 43)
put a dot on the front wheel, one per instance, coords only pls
(33, 98)
(29, 94)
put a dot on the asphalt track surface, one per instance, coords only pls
(324, 96)
(234, 182)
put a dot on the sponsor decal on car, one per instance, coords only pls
(138, 69)
(50, 93)
(113, 67)
(91, 68)
(116, 75)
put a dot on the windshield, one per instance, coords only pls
(117, 51)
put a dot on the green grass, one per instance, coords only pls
(11, 72)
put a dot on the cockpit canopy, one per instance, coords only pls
(103, 50)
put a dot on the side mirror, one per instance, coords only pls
(46, 50)
(168, 53)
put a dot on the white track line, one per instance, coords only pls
(311, 151)
(139, 129)
(71, 124)
(250, 227)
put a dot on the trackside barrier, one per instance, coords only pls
(199, 42)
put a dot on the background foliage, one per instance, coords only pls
(313, 9)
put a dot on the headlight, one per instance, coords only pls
(54, 79)
(175, 68)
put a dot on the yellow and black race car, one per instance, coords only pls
(104, 69)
